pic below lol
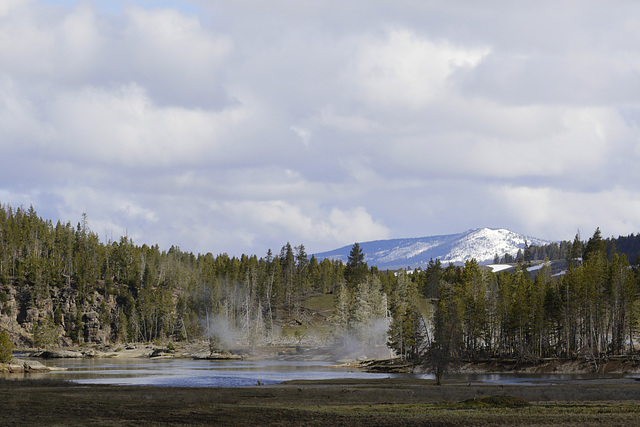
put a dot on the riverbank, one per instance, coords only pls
(609, 365)
(195, 350)
(201, 351)
(383, 402)
(19, 366)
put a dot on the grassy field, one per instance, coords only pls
(338, 402)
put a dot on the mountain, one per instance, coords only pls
(481, 243)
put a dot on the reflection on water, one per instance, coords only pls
(205, 373)
(195, 373)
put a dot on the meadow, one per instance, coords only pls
(336, 402)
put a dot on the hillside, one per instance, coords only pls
(481, 244)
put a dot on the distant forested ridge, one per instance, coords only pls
(60, 285)
(622, 245)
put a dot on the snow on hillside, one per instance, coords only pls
(499, 267)
(410, 251)
(480, 244)
(483, 245)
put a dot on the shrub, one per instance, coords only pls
(6, 348)
(44, 333)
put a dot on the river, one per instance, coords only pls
(206, 373)
(195, 373)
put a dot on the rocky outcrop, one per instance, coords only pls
(215, 356)
(17, 366)
(23, 308)
(60, 354)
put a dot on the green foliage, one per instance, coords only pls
(144, 293)
(44, 333)
(590, 311)
(446, 345)
(6, 348)
(356, 269)
(406, 335)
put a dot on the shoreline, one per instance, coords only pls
(607, 365)
(201, 351)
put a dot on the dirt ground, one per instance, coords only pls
(394, 402)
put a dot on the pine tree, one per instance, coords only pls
(446, 343)
(595, 245)
(406, 329)
(6, 348)
(356, 269)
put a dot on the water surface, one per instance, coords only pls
(234, 373)
(196, 373)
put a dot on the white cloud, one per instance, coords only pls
(303, 133)
(556, 213)
(124, 126)
(235, 126)
(133, 211)
(405, 70)
(174, 54)
(312, 223)
(9, 5)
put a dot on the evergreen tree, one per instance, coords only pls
(44, 333)
(575, 253)
(446, 343)
(6, 348)
(406, 329)
(356, 269)
(595, 245)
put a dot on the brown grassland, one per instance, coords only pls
(383, 402)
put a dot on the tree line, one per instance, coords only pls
(591, 311)
(69, 283)
(141, 293)
(563, 250)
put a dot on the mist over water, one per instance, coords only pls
(363, 341)
(366, 342)
(221, 334)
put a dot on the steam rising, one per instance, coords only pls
(221, 335)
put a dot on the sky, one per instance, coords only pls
(236, 126)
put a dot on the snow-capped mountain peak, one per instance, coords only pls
(481, 244)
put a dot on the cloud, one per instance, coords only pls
(236, 126)
(304, 134)
(555, 212)
(8, 5)
(408, 71)
(124, 126)
(308, 223)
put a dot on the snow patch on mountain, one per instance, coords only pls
(499, 267)
(485, 243)
(481, 244)
(409, 251)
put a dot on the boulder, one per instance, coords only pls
(34, 366)
(11, 368)
(61, 354)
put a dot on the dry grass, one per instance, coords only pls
(351, 402)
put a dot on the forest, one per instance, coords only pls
(60, 285)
